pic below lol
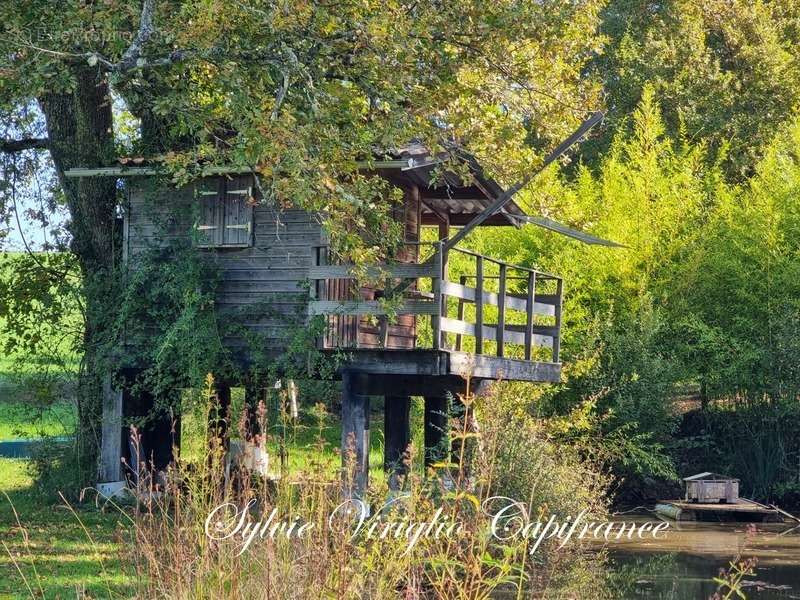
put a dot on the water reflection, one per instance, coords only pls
(683, 565)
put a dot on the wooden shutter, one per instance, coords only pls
(210, 222)
(238, 209)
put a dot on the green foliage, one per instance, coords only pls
(704, 295)
(26, 419)
(40, 308)
(726, 71)
(530, 465)
(756, 442)
(698, 173)
(740, 282)
(166, 318)
(302, 92)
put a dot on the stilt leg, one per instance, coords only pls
(111, 442)
(355, 432)
(397, 436)
(437, 429)
(157, 432)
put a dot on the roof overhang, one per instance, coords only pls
(443, 194)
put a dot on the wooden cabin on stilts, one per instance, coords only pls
(457, 318)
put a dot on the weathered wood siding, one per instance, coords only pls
(350, 331)
(403, 331)
(263, 284)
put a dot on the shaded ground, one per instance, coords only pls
(55, 554)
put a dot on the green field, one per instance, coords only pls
(72, 554)
(20, 420)
(55, 553)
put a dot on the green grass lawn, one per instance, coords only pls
(61, 559)
(21, 420)
(55, 554)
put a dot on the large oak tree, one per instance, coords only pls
(298, 91)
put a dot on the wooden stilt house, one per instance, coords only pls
(462, 315)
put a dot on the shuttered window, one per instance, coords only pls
(226, 212)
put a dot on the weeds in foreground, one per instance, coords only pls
(730, 581)
(205, 535)
(209, 529)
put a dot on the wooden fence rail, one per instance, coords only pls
(542, 311)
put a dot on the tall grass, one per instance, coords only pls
(174, 556)
(175, 542)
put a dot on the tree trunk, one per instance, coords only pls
(80, 130)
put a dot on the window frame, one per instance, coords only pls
(217, 202)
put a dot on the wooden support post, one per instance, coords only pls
(444, 227)
(479, 305)
(529, 316)
(355, 432)
(460, 314)
(437, 429)
(501, 312)
(111, 442)
(397, 436)
(444, 233)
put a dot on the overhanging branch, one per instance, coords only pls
(10, 146)
(146, 29)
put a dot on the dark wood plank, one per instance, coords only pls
(355, 432)
(398, 271)
(492, 367)
(397, 436)
(370, 307)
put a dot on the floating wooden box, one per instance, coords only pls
(707, 488)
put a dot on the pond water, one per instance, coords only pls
(683, 565)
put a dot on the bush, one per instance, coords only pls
(756, 441)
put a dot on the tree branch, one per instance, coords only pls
(132, 58)
(24, 144)
(132, 55)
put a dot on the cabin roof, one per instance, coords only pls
(710, 476)
(442, 192)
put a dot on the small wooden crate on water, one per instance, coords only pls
(707, 487)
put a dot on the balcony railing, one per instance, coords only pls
(473, 303)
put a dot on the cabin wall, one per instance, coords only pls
(402, 333)
(365, 332)
(264, 285)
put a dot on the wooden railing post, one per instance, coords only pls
(557, 336)
(436, 284)
(479, 305)
(529, 314)
(445, 277)
(501, 312)
(460, 315)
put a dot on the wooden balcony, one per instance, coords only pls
(452, 313)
